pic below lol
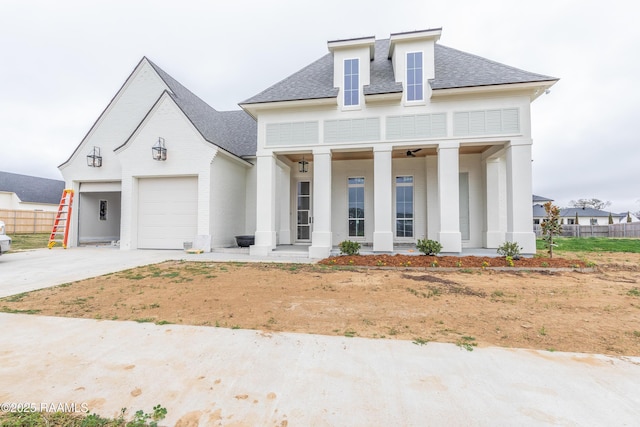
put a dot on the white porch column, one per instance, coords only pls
(519, 211)
(284, 203)
(382, 200)
(448, 197)
(321, 234)
(265, 236)
(495, 233)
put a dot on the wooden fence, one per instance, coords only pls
(625, 229)
(27, 222)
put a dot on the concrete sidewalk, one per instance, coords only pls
(212, 376)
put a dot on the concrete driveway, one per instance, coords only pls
(29, 270)
(213, 376)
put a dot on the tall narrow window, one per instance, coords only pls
(351, 82)
(356, 207)
(103, 210)
(404, 206)
(414, 76)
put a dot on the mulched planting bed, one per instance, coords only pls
(450, 261)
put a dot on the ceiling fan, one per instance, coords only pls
(411, 153)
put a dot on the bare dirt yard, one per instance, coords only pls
(583, 308)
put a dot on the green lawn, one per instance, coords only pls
(593, 244)
(29, 241)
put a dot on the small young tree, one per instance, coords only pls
(628, 216)
(577, 222)
(610, 218)
(551, 226)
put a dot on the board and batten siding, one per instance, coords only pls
(352, 130)
(292, 133)
(417, 126)
(486, 122)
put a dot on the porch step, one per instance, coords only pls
(232, 250)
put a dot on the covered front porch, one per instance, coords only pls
(387, 197)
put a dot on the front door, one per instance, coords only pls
(303, 208)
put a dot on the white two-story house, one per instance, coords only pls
(390, 141)
(380, 141)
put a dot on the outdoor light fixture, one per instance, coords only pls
(159, 151)
(303, 165)
(94, 159)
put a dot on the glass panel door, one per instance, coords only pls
(303, 208)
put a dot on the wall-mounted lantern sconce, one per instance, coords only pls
(94, 159)
(159, 150)
(303, 165)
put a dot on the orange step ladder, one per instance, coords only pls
(60, 230)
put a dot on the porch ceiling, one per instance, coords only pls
(398, 153)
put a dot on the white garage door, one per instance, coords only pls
(167, 212)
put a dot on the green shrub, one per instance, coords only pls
(510, 249)
(429, 247)
(348, 247)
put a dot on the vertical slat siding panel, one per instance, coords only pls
(511, 120)
(394, 127)
(438, 125)
(461, 124)
(477, 123)
(494, 121)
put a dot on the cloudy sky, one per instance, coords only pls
(62, 61)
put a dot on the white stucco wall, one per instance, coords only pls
(120, 118)
(250, 198)
(227, 207)
(188, 154)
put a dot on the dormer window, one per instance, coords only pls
(414, 76)
(351, 82)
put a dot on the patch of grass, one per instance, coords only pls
(467, 343)
(14, 298)
(593, 244)
(6, 309)
(634, 292)
(350, 333)
(636, 334)
(144, 320)
(20, 242)
(235, 327)
(420, 341)
(171, 274)
(542, 331)
(163, 322)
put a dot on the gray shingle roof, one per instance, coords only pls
(590, 212)
(457, 69)
(233, 131)
(538, 199)
(315, 81)
(32, 189)
(453, 68)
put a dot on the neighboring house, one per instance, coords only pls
(539, 213)
(379, 141)
(589, 216)
(29, 193)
